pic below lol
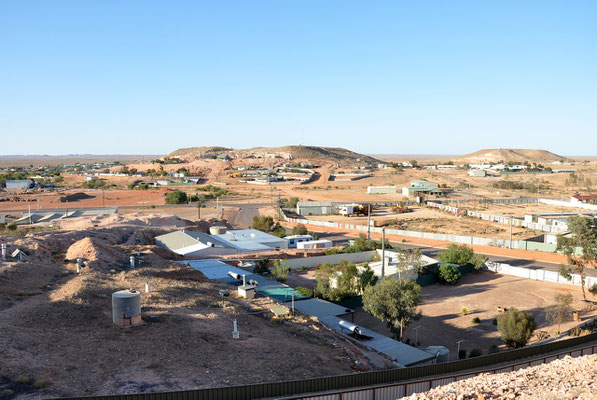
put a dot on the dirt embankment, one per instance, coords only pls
(57, 327)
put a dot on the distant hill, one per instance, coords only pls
(510, 155)
(337, 154)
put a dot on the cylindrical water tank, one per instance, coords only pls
(217, 230)
(349, 326)
(126, 304)
(442, 353)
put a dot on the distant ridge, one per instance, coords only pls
(510, 155)
(336, 154)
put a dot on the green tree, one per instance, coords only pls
(262, 223)
(449, 274)
(461, 255)
(363, 244)
(280, 271)
(300, 229)
(336, 282)
(323, 274)
(393, 302)
(582, 236)
(176, 197)
(561, 311)
(409, 260)
(516, 327)
(366, 277)
(278, 230)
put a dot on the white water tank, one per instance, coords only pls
(217, 230)
(441, 353)
(126, 307)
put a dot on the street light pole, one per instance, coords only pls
(383, 251)
(417, 335)
(369, 221)
(458, 351)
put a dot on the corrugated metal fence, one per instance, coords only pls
(393, 379)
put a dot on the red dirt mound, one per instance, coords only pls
(97, 254)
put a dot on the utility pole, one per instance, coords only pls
(369, 221)
(417, 335)
(383, 252)
(458, 351)
(510, 232)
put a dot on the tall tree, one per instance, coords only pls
(393, 302)
(582, 236)
(561, 311)
(409, 260)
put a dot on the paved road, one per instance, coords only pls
(432, 252)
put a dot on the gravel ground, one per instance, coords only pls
(566, 378)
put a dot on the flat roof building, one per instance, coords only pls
(19, 184)
(193, 244)
(422, 186)
(314, 208)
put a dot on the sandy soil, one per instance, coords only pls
(56, 325)
(481, 293)
(426, 219)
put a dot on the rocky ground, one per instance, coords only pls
(58, 340)
(566, 378)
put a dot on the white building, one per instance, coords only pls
(314, 208)
(391, 266)
(192, 244)
(315, 244)
(477, 172)
(294, 240)
(381, 189)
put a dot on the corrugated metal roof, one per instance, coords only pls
(314, 204)
(181, 239)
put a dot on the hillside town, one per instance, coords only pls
(298, 200)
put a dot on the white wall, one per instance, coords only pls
(537, 274)
(310, 262)
(569, 204)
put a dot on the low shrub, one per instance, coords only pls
(541, 335)
(476, 320)
(304, 291)
(464, 310)
(261, 266)
(22, 379)
(461, 354)
(40, 383)
(475, 353)
(448, 274)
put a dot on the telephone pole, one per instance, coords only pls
(383, 252)
(369, 221)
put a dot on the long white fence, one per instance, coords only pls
(537, 274)
(309, 262)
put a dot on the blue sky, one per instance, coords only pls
(444, 77)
